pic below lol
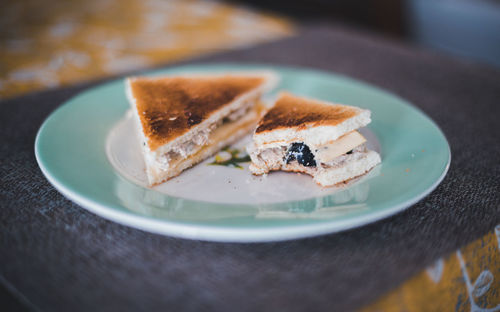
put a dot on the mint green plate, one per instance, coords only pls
(87, 151)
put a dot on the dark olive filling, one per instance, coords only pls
(301, 153)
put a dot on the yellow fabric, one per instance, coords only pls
(466, 280)
(52, 43)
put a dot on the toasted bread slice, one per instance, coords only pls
(299, 119)
(313, 137)
(178, 116)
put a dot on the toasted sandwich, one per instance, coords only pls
(182, 120)
(313, 137)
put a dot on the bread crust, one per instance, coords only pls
(301, 113)
(169, 107)
(224, 136)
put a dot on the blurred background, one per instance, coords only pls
(467, 28)
(52, 43)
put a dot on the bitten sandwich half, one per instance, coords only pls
(313, 137)
(184, 119)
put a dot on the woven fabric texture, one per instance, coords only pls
(59, 257)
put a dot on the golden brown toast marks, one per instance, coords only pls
(295, 112)
(169, 107)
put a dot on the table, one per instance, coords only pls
(55, 255)
(52, 43)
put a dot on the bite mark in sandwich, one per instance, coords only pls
(313, 137)
(182, 120)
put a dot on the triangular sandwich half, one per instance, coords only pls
(184, 119)
(313, 137)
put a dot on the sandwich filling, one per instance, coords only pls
(298, 156)
(169, 157)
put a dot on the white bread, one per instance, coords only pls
(243, 113)
(221, 137)
(247, 98)
(351, 169)
(298, 127)
(314, 133)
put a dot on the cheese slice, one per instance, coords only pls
(342, 145)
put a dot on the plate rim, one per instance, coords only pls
(219, 233)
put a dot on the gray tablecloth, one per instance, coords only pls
(56, 256)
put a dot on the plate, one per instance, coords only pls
(88, 150)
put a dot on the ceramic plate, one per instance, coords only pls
(89, 151)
